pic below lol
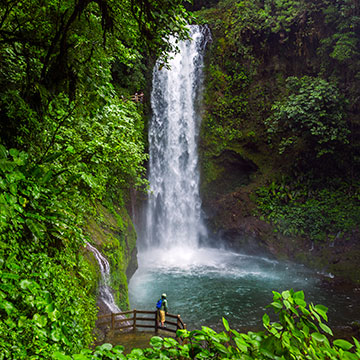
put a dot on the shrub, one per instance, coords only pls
(299, 333)
(310, 119)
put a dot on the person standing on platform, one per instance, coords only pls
(162, 309)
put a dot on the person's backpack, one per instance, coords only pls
(158, 304)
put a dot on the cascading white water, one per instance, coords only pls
(174, 205)
(106, 295)
(202, 284)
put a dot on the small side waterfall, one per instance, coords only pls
(174, 207)
(106, 295)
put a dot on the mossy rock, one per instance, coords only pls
(112, 232)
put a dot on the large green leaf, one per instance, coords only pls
(343, 344)
(266, 320)
(226, 324)
(3, 152)
(325, 328)
(7, 306)
(56, 334)
(80, 357)
(318, 337)
(277, 304)
(136, 352)
(241, 344)
(322, 310)
(105, 346)
(57, 355)
(36, 228)
(299, 295)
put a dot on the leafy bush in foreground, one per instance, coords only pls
(299, 333)
(46, 302)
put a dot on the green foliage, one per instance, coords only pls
(267, 17)
(105, 150)
(298, 122)
(343, 44)
(33, 206)
(69, 137)
(237, 97)
(58, 60)
(310, 118)
(43, 309)
(45, 304)
(69, 47)
(299, 333)
(224, 123)
(299, 208)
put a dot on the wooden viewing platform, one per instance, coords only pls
(134, 319)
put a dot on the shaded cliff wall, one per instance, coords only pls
(256, 47)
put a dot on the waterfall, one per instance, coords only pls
(173, 215)
(202, 283)
(106, 295)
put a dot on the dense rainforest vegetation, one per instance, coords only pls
(70, 136)
(281, 96)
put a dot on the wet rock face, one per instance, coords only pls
(228, 203)
(238, 169)
(230, 171)
(226, 196)
(228, 206)
(133, 264)
(231, 219)
(340, 258)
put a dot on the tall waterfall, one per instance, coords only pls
(174, 205)
(202, 283)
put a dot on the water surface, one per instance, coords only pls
(203, 285)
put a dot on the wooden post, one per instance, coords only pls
(134, 324)
(112, 321)
(156, 322)
(178, 323)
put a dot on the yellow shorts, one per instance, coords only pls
(161, 315)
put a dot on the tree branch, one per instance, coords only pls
(52, 141)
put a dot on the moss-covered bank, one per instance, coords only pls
(112, 233)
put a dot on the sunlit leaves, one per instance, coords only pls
(45, 310)
(226, 324)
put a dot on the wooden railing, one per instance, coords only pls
(135, 319)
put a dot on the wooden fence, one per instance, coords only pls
(135, 319)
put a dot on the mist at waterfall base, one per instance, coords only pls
(205, 284)
(202, 284)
